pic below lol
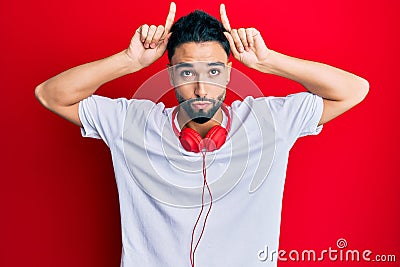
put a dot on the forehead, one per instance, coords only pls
(199, 52)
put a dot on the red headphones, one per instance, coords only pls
(192, 140)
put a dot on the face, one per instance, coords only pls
(199, 73)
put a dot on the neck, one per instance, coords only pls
(202, 129)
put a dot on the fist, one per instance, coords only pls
(247, 44)
(150, 42)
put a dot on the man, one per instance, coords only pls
(160, 174)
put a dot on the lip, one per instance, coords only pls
(201, 104)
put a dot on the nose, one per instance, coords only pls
(200, 89)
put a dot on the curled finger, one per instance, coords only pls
(157, 36)
(144, 29)
(250, 36)
(149, 37)
(243, 38)
(237, 41)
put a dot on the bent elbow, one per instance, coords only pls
(362, 90)
(365, 87)
(39, 94)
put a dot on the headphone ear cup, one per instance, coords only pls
(216, 137)
(190, 140)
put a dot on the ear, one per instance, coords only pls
(170, 75)
(228, 73)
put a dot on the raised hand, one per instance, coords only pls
(150, 42)
(247, 45)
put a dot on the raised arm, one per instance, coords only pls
(62, 93)
(340, 90)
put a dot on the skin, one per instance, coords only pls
(194, 53)
(339, 89)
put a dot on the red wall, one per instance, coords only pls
(58, 199)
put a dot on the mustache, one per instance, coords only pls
(202, 99)
(218, 101)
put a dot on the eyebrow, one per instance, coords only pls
(216, 64)
(183, 65)
(186, 65)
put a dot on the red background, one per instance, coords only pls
(58, 198)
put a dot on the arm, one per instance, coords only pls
(62, 93)
(339, 89)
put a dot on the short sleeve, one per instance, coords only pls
(298, 114)
(102, 117)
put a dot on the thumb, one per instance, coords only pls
(135, 42)
(137, 34)
(258, 40)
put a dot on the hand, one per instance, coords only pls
(247, 45)
(149, 43)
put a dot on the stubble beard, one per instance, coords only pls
(200, 116)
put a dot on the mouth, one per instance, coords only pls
(200, 104)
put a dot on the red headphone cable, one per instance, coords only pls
(192, 252)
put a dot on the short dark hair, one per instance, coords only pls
(197, 27)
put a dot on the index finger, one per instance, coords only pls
(224, 18)
(170, 18)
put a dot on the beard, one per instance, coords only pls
(200, 116)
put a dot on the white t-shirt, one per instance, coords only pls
(159, 183)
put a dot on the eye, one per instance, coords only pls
(186, 73)
(214, 72)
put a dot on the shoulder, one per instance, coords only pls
(276, 103)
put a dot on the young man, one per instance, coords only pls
(160, 174)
